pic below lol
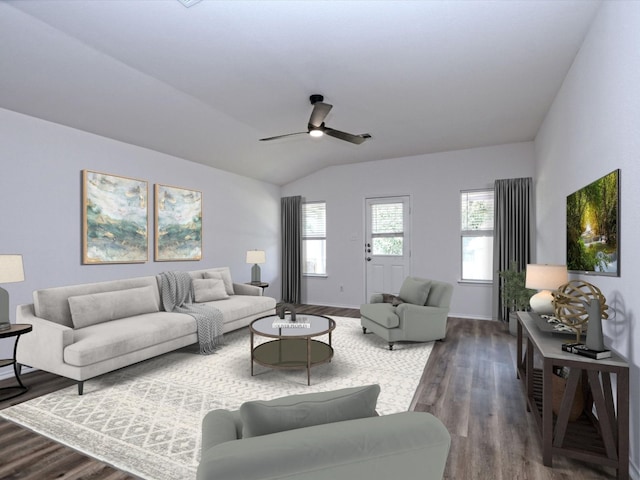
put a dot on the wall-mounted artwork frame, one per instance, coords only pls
(115, 219)
(593, 227)
(178, 224)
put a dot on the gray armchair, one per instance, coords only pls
(419, 314)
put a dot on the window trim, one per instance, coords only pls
(324, 238)
(475, 233)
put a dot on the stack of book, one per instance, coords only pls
(582, 349)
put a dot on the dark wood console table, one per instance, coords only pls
(602, 438)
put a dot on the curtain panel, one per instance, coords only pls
(291, 232)
(512, 240)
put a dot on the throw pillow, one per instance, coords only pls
(298, 411)
(97, 308)
(209, 290)
(392, 299)
(225, 275)
(415, 290)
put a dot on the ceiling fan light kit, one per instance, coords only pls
(316, 127)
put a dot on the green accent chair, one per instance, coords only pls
(421, 317)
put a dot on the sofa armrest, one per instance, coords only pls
(219, 426)
(244, 289)
(44, 346)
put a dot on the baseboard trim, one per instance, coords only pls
(9, 373)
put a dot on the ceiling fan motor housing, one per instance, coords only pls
(315, 98)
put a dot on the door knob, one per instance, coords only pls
(368, 259)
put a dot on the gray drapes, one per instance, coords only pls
(291, 230)
(512, 231)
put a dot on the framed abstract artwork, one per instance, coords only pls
(178, 220)
(115, 219)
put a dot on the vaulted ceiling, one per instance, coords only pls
(205, 83)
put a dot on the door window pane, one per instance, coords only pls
(387, 229)
(388, 245)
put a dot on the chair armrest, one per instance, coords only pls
(376, 298)
(421, 311)
(244, 289)
(419, 321)
(44, 345)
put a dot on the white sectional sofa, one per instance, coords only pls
(83, 331)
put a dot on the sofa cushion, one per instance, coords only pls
(242, 306)
(96, 308)
(108, 340)
(415, 290)
(298, 411)
(381, 313)
(223, 273)
(209, 290)
(53, 303)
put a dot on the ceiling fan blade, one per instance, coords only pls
(319, 113)
(281, 136)
(357, 139)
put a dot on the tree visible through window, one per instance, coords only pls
(314, 238)
(476, 211)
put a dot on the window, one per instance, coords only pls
(314, 238)
(476, 209)
(387, 229)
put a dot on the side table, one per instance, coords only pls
(603, 439)
(262, 285)
(15, 331)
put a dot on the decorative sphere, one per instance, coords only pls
(569, 304)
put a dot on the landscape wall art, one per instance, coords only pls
(593, 227)
(114, 219)
(178, 219)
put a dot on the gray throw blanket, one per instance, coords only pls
(177, 296)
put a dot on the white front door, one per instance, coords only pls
(387, 244)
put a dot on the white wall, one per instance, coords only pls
(434, 183)
(40, 195)
(591, 129)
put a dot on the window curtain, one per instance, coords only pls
(291, 231)
(512, 232)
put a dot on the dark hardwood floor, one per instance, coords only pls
(469, 383)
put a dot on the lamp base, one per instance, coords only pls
(5, 323)
(255, 274)
(542, 303)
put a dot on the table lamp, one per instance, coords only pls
(11, 270)
(256, 257)
(544, 278)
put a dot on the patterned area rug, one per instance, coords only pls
(145, 419)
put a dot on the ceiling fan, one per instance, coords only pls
(316, 127)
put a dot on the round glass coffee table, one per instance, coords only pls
(294, 345)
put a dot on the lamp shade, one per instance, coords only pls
(546, 277)
(11, 269)
(256, 256)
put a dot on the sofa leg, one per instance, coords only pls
(364, 329)
(390, 345)
(80, 388)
